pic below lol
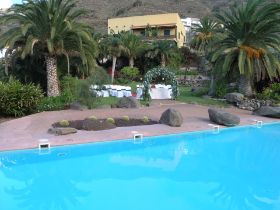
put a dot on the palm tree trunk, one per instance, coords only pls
(245, 86)
(163, 61)
(113, 68)
(131, 62)
(212, 86)
(52, 79)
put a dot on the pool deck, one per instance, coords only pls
(25, 132)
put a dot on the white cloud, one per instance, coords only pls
(5, 3)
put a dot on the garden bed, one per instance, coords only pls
(103, 124)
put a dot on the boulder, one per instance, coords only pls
(171, 117)
(223, 118)
(128, 102)
(77, 106)
(62, 131)
(234, 97)
(268, 111)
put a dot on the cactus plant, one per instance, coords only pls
(92, 117)
(145, 119)
(125, 118)
(110, 120)
(64, 123)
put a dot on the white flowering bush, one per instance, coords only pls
(167, 76)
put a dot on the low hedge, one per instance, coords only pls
(17, 99)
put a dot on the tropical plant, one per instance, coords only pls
(52, 26)
(251, 41)
(165, 49)
(132, 46)
(271, 93)
(17, 99)
(130, 73)
(113, 47)
(206, 34)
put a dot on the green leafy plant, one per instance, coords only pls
(272, 92)
(130, 72)
(125, 118)
(17, 99)
(220, 90)
(55, 103)
(110, 120)
(200, 92)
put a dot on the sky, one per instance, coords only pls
(8, 3)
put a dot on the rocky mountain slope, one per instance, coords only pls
(101, 10)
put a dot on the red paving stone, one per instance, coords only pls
(25, 132)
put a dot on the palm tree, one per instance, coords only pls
(52, 26)
(133, 46)
(163, 48)
(114, 47)
(252, 38)
(206, 33)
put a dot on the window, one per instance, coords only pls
(179, 35)
(166, 32)
(142, 32)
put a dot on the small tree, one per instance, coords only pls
(132, 46)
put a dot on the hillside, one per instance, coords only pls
(101, 10)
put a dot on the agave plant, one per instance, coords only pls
(51, 25)
(252, 38)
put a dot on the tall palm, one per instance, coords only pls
(251, 41)
(52, 26)
(114, 48)
(163, 48)
(133, 46)
(206, 34)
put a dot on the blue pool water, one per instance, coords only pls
(237, 169)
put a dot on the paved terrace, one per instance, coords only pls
(25, 132)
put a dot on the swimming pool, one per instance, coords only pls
(239, 168)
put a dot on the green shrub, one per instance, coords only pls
(55, 103)
(17, 99)
(220, 90)
(83, 92)
(69, 86)
(145, 119)
(125, 118)
(64, 123)
(272, 92)
(99, 77)
(130, 73)
(200, 92)
(122, 81)
(110, 120)
(85, 95)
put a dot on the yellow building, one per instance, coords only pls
(151, 27)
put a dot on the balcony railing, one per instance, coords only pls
(158, 37)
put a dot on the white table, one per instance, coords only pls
(159, 91)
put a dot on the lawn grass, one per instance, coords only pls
(187, 96)
(103, 101)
